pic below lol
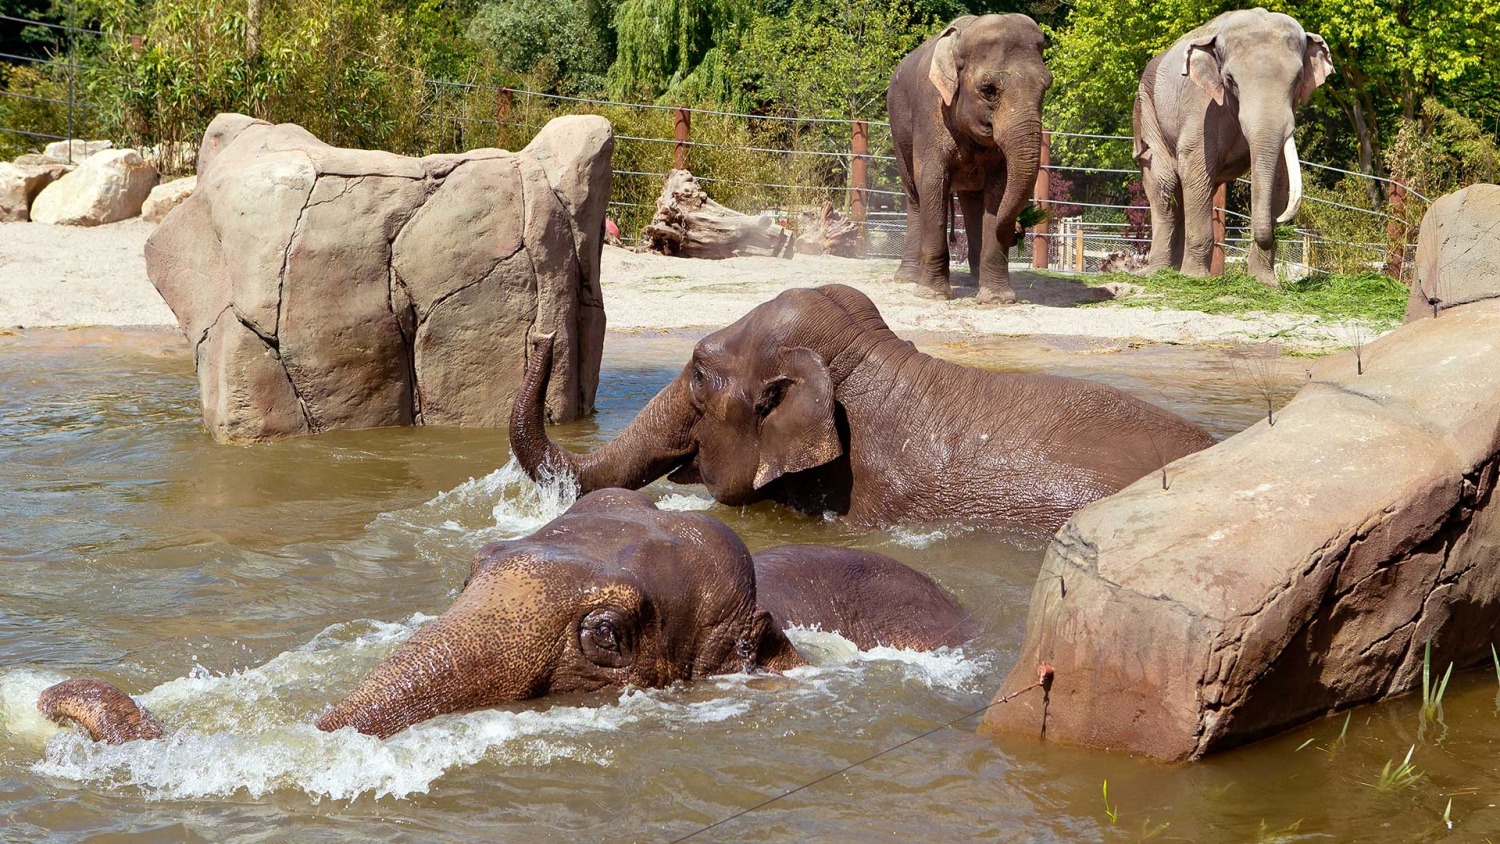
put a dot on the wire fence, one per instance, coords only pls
(782, 166)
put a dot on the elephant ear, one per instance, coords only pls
(797, 431)
(1202, 66)
(1316, 67)
(945, 63)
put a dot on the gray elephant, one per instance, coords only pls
(811, 401)
(966, 117)
(1216, 105)
(613, 593)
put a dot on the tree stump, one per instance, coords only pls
(827, 232)
(690, 225)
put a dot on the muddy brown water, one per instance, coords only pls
(240, 590)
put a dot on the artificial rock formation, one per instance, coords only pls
(1294, 570)
(335, 288)
(109, 186)
(19, 186)
(1457, 261)
(690, 225)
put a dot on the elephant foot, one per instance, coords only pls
(1268, 278)
(996, 295)
(907, 275)
(940, 294)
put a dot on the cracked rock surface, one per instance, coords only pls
(1292, 570)
(332, 288)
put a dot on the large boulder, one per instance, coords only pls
(166, 196)
(336, 288)
(19, 186)
(1289, 571)
(76, 150)
(1458, 251)
(107, 187)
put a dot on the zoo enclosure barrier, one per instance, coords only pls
(783, 165)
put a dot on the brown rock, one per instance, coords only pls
(1458, 251)
(107, 187)
(19, 186)
(166, 196)
(385, 290)
(1289, 571)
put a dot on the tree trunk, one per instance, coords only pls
(689, 224)
(827, 232)
(252, 29)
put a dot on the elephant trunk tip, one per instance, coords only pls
(528, 435)
(103, 711)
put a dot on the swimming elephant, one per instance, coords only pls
(811, 401)
(966, 118)
(613, 593)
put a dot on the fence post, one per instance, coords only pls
(859, 180)
(1216, 259)
(1395, 232)
(681, 130)
(1078, 257)
(1040, 242)
(505, 99)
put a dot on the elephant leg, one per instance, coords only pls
(1197, 218)
(972, 201)
(911, 248)
(934, 186)
(994, 265)
(1164, 193)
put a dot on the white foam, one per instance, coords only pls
(680, 503)
(505, 504)
(916, 537)
(948, 668)
(19, 717)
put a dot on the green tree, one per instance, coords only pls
(561, 46)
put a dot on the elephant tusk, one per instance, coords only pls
(1294, 181)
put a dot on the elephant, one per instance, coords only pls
(1217, 104)
(966, 117)
(810, 400)
(612, 593)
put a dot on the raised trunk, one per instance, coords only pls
(656, 442)
(1021, 143)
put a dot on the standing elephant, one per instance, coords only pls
(811, 401)
(1216, 105)
(966, 117)
(613, 593)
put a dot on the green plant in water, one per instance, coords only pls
(1448, 814)
(1394, 777)
(1432, 697)
(1338, 742)
(1111, 812)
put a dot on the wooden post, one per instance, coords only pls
(1216, 259)
(681, 130)
(859, 180)
(1395, 231)
(1078, 250)
(505, 99)
(1039, 239)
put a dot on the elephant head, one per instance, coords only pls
(755, 403)
(991, 77)
(1262, 65)
(613, 593)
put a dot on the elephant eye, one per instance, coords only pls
(603, 638)
(989, 91)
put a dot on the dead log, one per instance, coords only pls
(689, 224)
(827, 232)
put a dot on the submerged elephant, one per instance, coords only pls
(1216, 105)
(966, 118)
(612, 593)
(811, 401)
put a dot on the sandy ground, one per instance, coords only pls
(65, 276)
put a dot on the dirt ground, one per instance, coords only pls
(65, 276)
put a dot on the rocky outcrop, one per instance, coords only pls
(334, 288)
(1294, 570)
(107, 187)
(19, 186)
(1458, 252)
(166, 196)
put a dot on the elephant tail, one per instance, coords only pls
(105, 713)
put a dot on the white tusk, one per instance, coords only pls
(1294, 181)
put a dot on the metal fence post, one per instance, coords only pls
(681, 131)
(1395, 232)
(1216, 258)
(1039, 239)
(859, 180)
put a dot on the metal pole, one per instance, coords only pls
(1042, 192)
(1216, 258)
(72, 77)
(681, 130)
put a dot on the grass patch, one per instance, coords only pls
(1371, 296)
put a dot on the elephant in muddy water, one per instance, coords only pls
(1216, 105)
(966, 118)
(613, 593)
(811, 401)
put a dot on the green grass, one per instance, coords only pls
(1394, 777)
(1371, 296)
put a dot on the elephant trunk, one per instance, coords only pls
(658, 440)
(1265, 162)
(103, 711)
(1020, 142)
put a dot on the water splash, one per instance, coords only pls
(677, 502)
(505, 504)
(908, 536)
